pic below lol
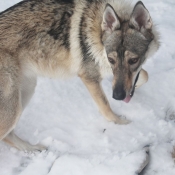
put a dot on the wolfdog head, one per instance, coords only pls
(126, 43)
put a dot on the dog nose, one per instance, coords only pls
(119, 94)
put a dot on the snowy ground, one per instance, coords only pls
(81, 142)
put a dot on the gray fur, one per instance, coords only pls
(63, 38)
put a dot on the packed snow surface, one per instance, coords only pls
(63, 116)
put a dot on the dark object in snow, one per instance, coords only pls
(144, 165)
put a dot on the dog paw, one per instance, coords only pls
(28, 148)
(31, 148)
(122, 121)
(38, 148)
(22, 145)
(118, 120)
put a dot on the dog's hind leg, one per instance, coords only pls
(27, 89)
(18, 143)
(10, 97)
(99, 97)
(10, 110)
(12, 100)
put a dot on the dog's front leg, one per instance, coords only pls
(99, 97)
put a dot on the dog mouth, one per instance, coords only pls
(128, 98)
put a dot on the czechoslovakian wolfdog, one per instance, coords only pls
(62, 38)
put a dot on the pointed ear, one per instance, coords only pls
(140, 18)
(110, 20)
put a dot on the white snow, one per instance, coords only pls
(63, 116)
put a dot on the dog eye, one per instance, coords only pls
(133, 61)
(111, 60)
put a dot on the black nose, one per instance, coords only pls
(119, 93)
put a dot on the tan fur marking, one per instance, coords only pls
(129, 54)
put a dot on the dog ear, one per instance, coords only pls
(111, 20)
(140, 17)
